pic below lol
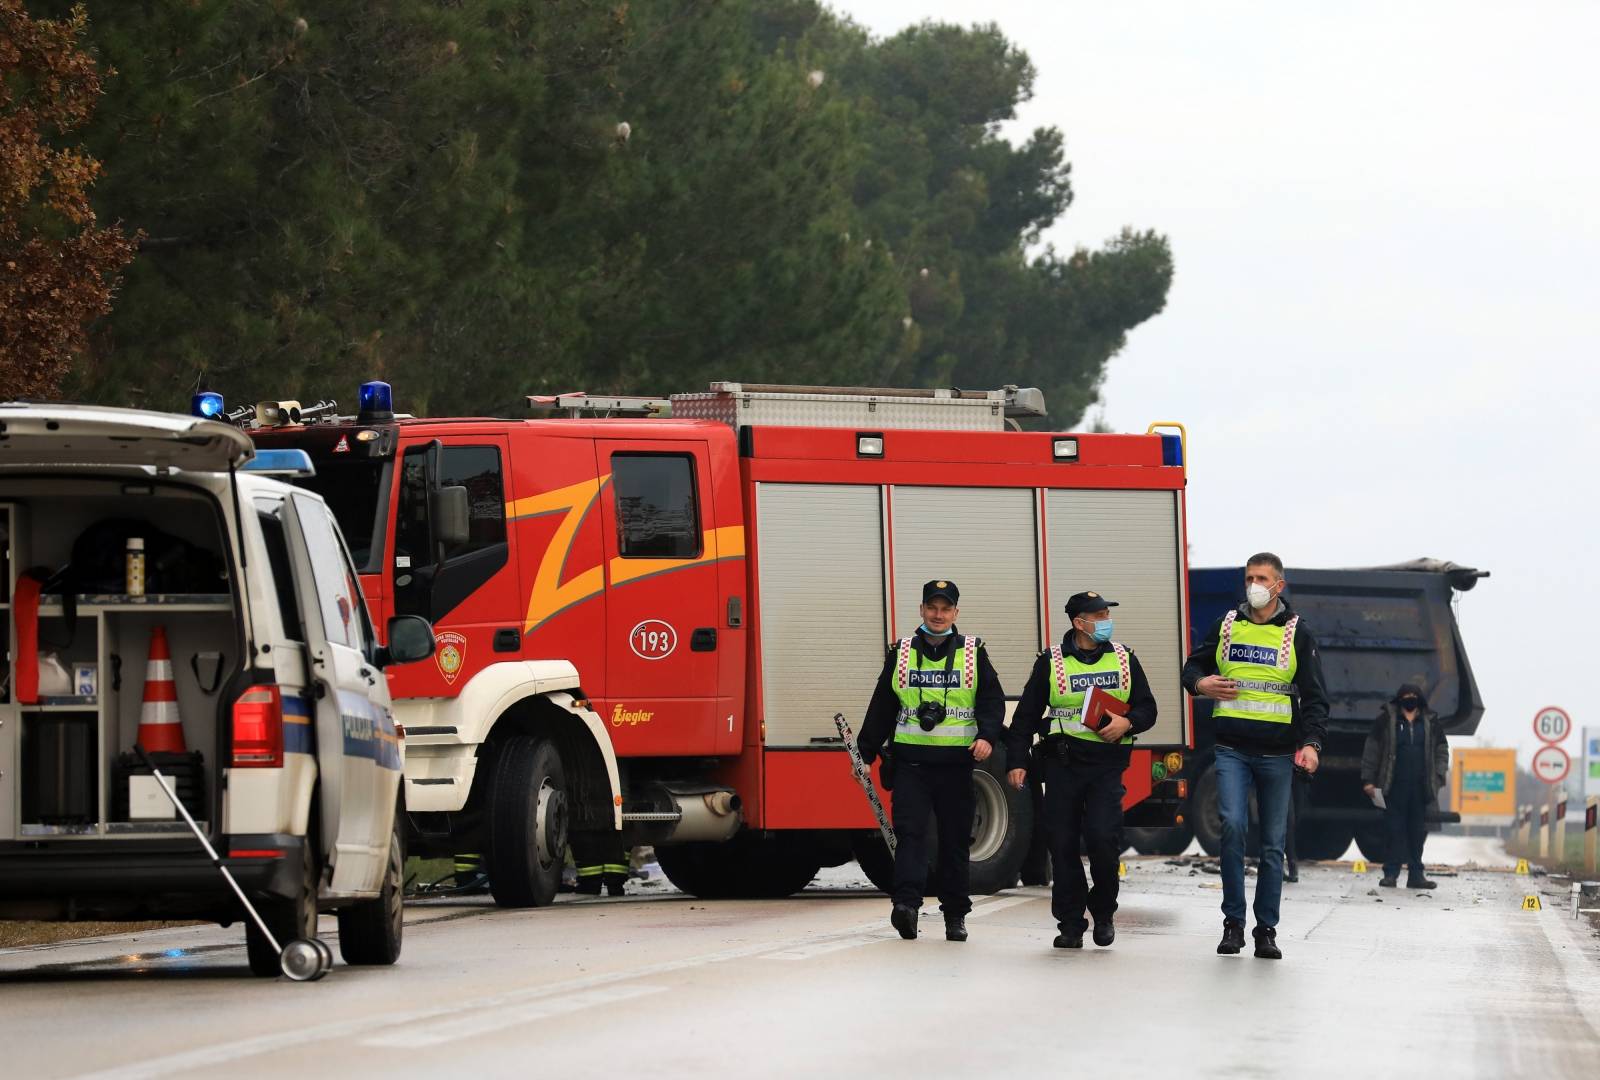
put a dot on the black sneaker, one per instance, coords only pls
(1069, 941)
(955, 928)
(1104, 932)
(1232, 937)
(904, 919)
(1267, 943)
(1387, 882)
(1421, 883)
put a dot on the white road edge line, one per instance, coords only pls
(223, 1053)
(484, 1023)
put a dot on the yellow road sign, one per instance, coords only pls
(1522, 867)
(1359, 867)
(1531, 903)
(1122, 869)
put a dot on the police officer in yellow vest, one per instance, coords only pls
(1083, 768)
(1259, 664)
(939, 705)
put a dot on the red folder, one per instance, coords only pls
(1099, 706)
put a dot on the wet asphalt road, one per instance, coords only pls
(1462, 982)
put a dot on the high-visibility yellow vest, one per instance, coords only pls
(952, 682)
(1260, 657)
(1070, 679)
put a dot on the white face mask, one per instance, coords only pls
(1258, 595)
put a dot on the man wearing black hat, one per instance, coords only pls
(1083, 766)
(940, 705)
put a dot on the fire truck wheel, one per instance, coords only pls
(874, 858)
(1204, 812)
(527, 804)
(1158, 841)
(287, 919)
(1002, 828)
(748, 867)
(370, 931)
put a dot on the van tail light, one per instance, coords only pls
(258, 729)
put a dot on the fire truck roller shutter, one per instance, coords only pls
(821, 653)
(1127, 544)
(986, 539)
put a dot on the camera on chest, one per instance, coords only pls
(930, 714)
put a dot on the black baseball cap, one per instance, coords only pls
(1078, 603)
(946, 589)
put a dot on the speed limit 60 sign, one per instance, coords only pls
(1552, 724)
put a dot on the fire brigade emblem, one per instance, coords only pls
(450, 654)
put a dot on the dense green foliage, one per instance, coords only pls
(483, 199)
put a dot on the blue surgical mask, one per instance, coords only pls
(1102, 629)
(936, 633)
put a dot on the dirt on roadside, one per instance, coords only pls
(16, 934)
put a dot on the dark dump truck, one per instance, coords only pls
(1376, 628)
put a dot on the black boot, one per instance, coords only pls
(1421, 883)
(1267, 943)
(1386, 882)
(1232, 937)
(955, 927)
(1065, 940)
(1104, 932)
(904, 919)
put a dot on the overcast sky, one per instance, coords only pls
(1384, 321)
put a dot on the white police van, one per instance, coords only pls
(127, 534)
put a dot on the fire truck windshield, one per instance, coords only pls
(355, 490)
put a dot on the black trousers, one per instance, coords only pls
(940, 794)
(1083, 805)
(1407, 826)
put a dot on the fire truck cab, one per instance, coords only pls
(648, 611)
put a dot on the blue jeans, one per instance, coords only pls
(1236, 772)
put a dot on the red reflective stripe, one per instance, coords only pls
(160, 691)
(256, 853)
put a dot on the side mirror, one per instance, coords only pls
(450, 511)
(410, 640)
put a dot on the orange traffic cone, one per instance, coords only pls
(160, 727)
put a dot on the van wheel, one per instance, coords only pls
(370, 931)
(527, 801)
(287, 919)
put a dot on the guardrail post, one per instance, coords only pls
(1544, 832)
(1560, 845)
(1524, 819)
(1591, 818)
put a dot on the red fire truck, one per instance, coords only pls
(648, 611)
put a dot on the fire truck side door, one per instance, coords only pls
(358, 750)
(663, 625)
(467, 587)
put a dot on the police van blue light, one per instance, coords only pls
(207, 405)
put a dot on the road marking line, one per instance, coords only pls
(806, 952)
(484, 1023)
(999, 904)
(224, 1053)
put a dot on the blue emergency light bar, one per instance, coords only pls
(207, 405)
(281, 463)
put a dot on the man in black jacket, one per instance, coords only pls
(1405, 757)
(1260, 664)
(1083, 766)
(940, 705)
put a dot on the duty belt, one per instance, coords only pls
(1261, 686)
